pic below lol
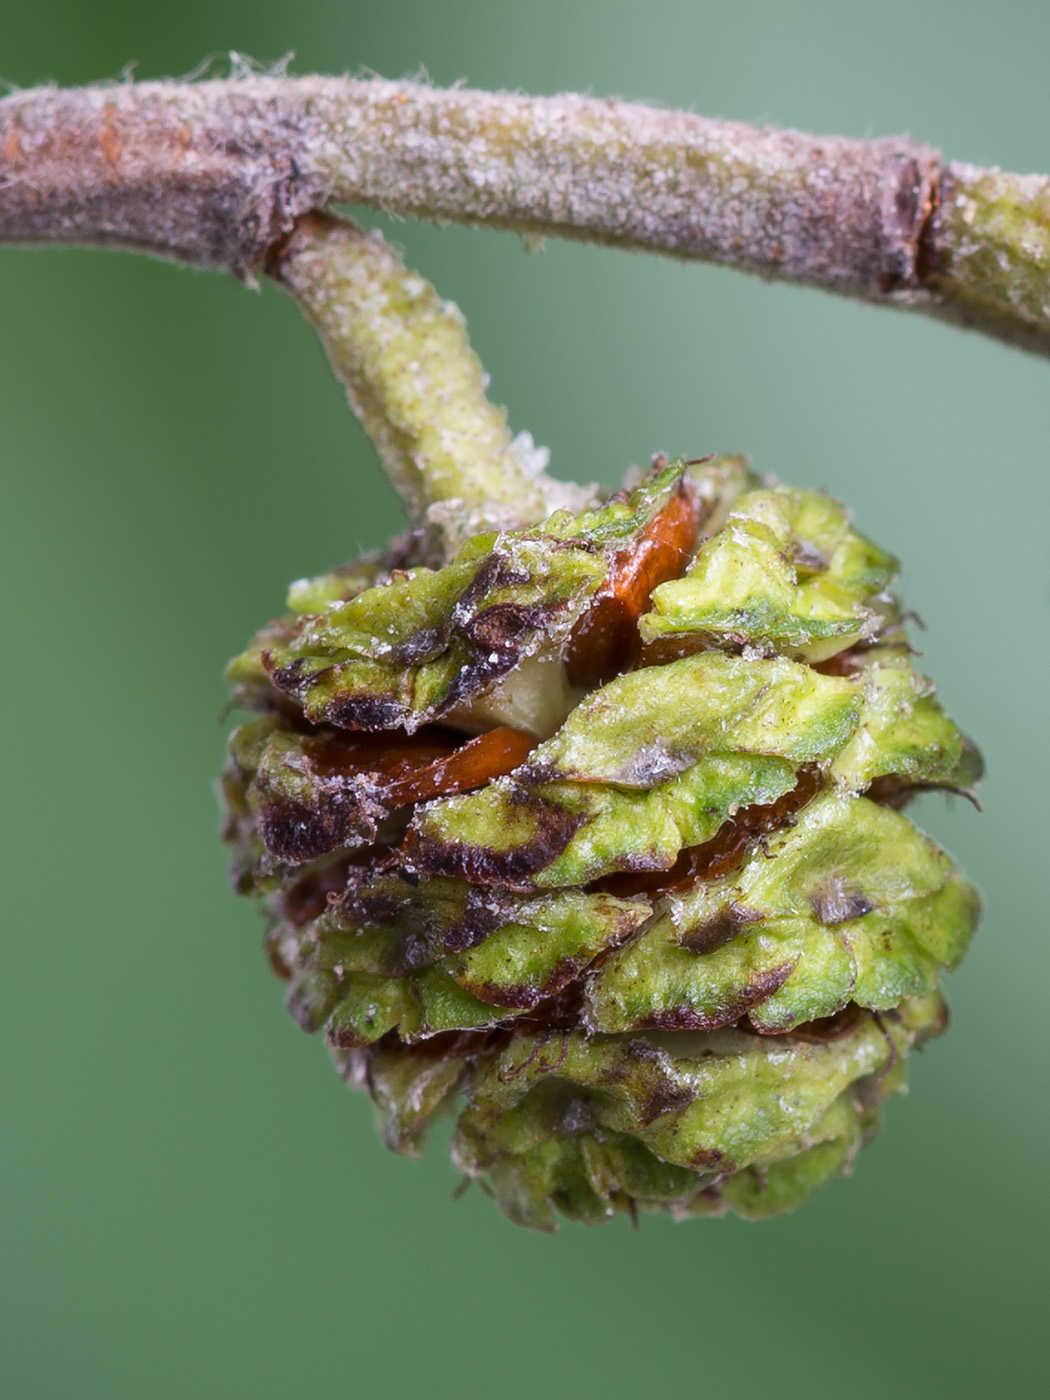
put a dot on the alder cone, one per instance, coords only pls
(593, 836)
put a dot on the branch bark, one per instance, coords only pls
(216, 173)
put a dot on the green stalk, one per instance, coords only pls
(413, 380)
(991, 253)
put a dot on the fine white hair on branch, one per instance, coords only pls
(217, 172)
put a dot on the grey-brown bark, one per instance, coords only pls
(215, 173)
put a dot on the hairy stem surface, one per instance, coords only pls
(216, 172)
(411, 377)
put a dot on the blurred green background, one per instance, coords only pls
(190, 1202)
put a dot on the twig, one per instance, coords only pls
(216, 173)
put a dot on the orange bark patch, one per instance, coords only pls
(12, 146)
(110, 140)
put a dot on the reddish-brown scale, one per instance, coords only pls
(278, 966)
(358, 780)
(381, 756)
(826, 1029)
(892, 791)
(309, 896)
(416, 767)
(843, 663)
(724, 851)
(666, 649)
(479, 761)
(444, 1045)
(563, 1011)
(605, 640)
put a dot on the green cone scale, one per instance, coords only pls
(593, 837)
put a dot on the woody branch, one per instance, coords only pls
(215, 173)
